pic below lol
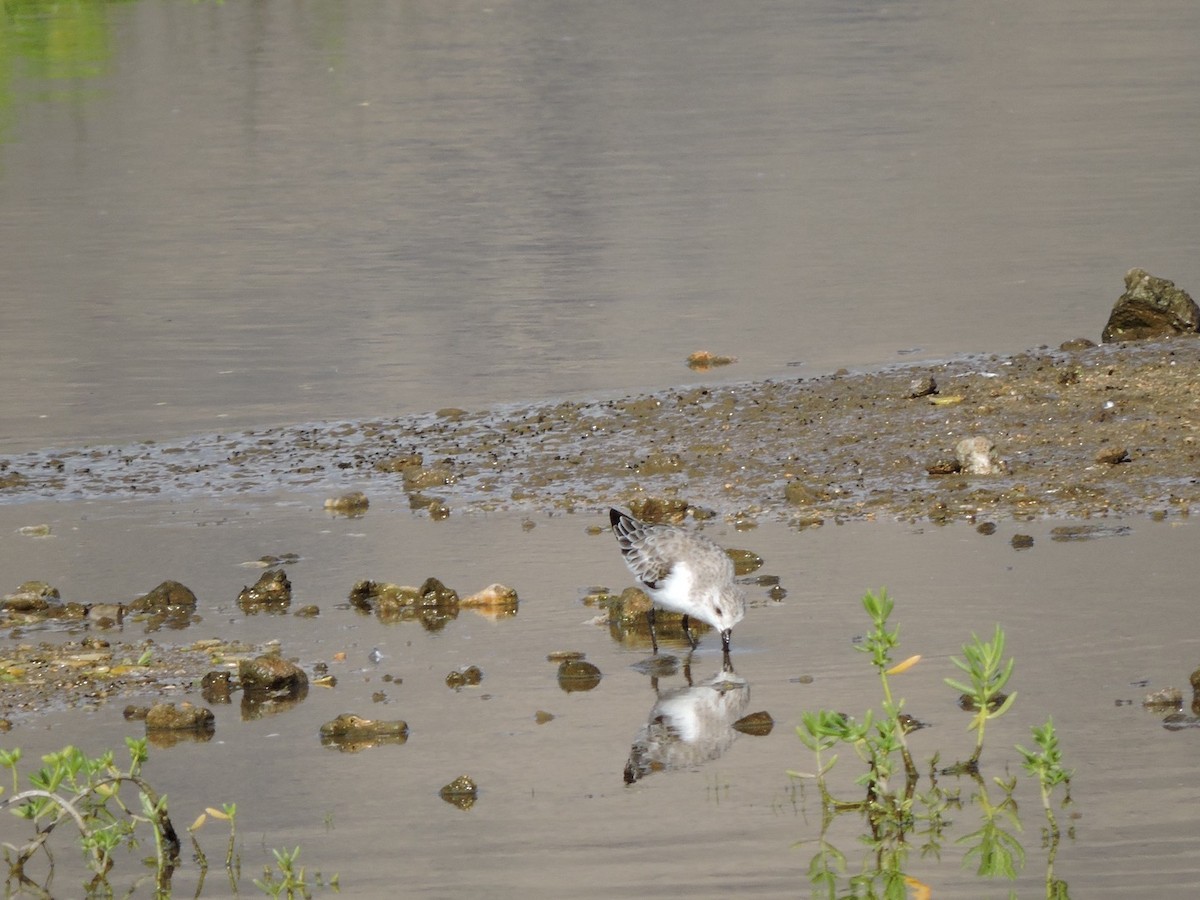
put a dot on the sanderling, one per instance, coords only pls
(681, 571)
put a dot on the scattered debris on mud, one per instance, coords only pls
(1082, 431)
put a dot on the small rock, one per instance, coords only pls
(944, 467)
(1021, 541)
(185, 717)
(922, 387)
(495, 597)
(272, 591)
(703, 360)
(470, 676)
(105, 615)
(542, 717)
(216, 687)
(1167, 698)
(353, 504)
(350, 732)
(170, 595)
(29, 597)
(461, 792)
(1113, 456)
(271, 675)
(977, 456)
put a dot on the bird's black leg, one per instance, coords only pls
(653, 638)
(687, 632)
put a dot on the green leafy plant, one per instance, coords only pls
(988, 673)
(896, 814)
(290, 880)
(110, 807)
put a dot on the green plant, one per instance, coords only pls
(896, 814)
(71, 786)
(112, 807)
(1045, 764)
(290, 881)
(988, 674)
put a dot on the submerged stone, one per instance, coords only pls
(461, 792)
(350, 732)
(185, 717)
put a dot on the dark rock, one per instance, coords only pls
(185, 717)
(1022, 541)
(1151, 307)
(470, 676)
(922, 387)
(30, 597)
(168, 596)
(944, 467)
(1113, 456)
(461, 792)
(272, 591)
(271, 675)
(216, 687)
(350, 732)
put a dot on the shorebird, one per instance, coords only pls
(681, 571)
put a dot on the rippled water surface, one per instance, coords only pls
(221, 215)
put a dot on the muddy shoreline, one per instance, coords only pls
(1103, 430)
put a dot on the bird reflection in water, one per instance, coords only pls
(691, 725)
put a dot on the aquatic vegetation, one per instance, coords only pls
(899, 817)
(113, 808)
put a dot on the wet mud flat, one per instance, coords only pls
(1100, 430)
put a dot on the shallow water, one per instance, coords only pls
(1087, 622)
(227, 215)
